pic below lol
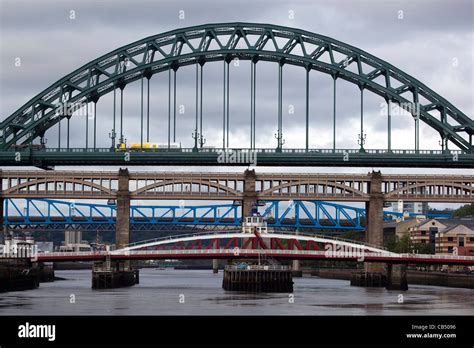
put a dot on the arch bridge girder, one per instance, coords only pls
(231, 186)
(213, 42)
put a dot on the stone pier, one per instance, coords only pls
(397, 277)
(295, 268)
(215, 265)
(250, 195)
(122, 227)
(258, 279)
(116, 274)
(374, 274)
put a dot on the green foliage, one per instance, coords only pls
(399, 245)
(426, 248)
(466, 210)
(403, 245)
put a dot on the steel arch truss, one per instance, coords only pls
(279, 214)
(218, 214)
(213, 42)
(316, 214)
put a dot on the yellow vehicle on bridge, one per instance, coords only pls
(146, 146)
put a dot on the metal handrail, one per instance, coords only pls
(237, 252)
(259, 150)
(259, 267)
(235, 231)
(179, 236)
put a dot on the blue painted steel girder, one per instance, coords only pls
(293, 214)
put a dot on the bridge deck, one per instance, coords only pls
(253, 253)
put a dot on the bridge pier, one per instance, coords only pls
(250, 195)
(397, 277)
(295, 268)
(374, 273)
(113, 274)
(374, 216)
(3, 229)
(122, 226)
(215, 265)
(259, 278)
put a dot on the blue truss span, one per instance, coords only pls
(291, 214)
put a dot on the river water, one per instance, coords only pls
(199, 292)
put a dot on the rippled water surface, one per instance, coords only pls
(182, 292)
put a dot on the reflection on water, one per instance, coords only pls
(182, 292)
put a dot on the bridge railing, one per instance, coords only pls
(211, 234)
(177, 236)
(291, 252)
(339, 239)
(434, 256)
(253, 252)
(259, 267)
(260, 150)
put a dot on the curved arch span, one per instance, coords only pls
(187, 238)
(214, 42)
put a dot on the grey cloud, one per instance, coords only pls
(423, 43)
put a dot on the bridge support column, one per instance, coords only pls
(3, 229)
(397, 277)
(374, 216)
(374, 273)
(122, 227)
(295, 268)
(250, 196)
(215, 265)
(113, 274)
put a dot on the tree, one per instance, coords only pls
(403, 245)
(465, 210)
(426, 248)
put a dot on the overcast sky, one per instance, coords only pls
(431, 40)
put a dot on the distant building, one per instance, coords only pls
(447, 236)
(455, 239)
(72, 237)
(403, 227)
(73, 242)
(425, 231)
(410, 207)
(45, 247)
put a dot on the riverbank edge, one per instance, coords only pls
(451, 280)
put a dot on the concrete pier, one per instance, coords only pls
(45, 272)
(397, 277)
(18, 274)
(296, 270)
(111, 275)
(369, 279)
(374, 274)
(258, 279)
(122, 227)
(215, 265)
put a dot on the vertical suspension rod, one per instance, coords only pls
(148, 111)
(87, 124)
(200, 107)
(334, 115)
(228, 107)
(307, 108)
(95, 125)
(141, 114)
(169, 108)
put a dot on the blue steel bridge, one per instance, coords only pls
(293, 214)
(23, 133)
